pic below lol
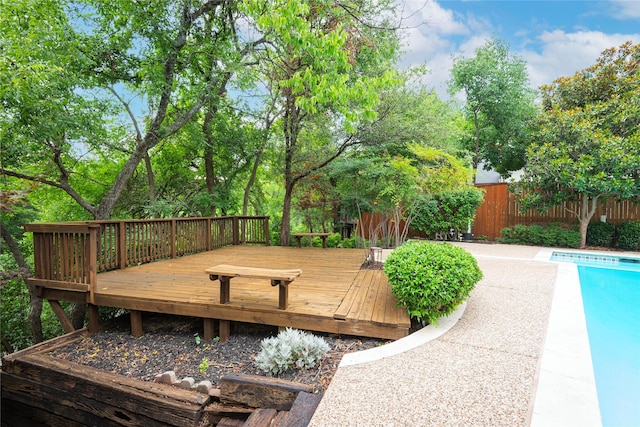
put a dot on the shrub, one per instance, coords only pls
(431, 279)
(14, 313)
(333, 241)
(554, 234)
(628, 235)
(600, 233)
(516, 234)
(447, 210)
(354, 242)
(291, 348)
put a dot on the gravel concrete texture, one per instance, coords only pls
(482, 372)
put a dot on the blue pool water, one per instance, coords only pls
(611, 298)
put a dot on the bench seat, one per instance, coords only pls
(322, 236)
(226, 272)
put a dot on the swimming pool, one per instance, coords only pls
(610, 288)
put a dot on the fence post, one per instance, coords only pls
(174, 238)
(92, 277)
(236, 231)
(267, 237)
(122, 245)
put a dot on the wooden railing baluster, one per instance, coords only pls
(68, 256)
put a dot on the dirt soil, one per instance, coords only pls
(173, 343)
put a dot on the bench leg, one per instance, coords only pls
(225, 330)
(209, 329)
(283, 293)
(224, 289)
(136, 323)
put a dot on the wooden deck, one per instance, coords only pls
(332, 295)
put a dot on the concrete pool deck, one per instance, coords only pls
(516, 355)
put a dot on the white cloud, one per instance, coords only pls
(436, 34)
(562, 54)
(626, 9)
(430, 29)
(432, 16)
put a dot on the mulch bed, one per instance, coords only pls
(173, 343)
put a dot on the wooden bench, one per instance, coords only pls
(323, 236)
(226, 272)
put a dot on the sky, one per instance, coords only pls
(555, 37)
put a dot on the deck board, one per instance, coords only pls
(332, 295)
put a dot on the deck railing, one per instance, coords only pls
(69, 255)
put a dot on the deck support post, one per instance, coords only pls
(209, 329)
(225, 330)
(136, 323)
(94, 318)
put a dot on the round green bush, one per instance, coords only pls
(600, 233)
(431, 279)
(628, 235)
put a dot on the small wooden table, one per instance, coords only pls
(323, 236)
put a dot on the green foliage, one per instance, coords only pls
(334, 240)
(499, 104)
(628, 235)
(316, 242)
(204, 365)
(600, 233)
(14, 318)
(587, 139)
(290, 349)
(431, 279)
(555, 234)
(448, 209)
(353, 242)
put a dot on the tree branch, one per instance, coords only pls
(61, 185)
(129, 112)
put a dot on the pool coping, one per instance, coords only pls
(565, 393)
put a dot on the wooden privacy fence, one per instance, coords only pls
(68, 256)
(501, 209)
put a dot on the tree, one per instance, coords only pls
(586, 147)
(12, 212)
(498, 105)
(72, 64)
(313, 62)
(70, 69)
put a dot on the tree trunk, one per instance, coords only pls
(35, 302)
(252, 177)
(150, 177)
(285, 226)
(210, 176)
(586, 213)
(291, 127)
(476, 154)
